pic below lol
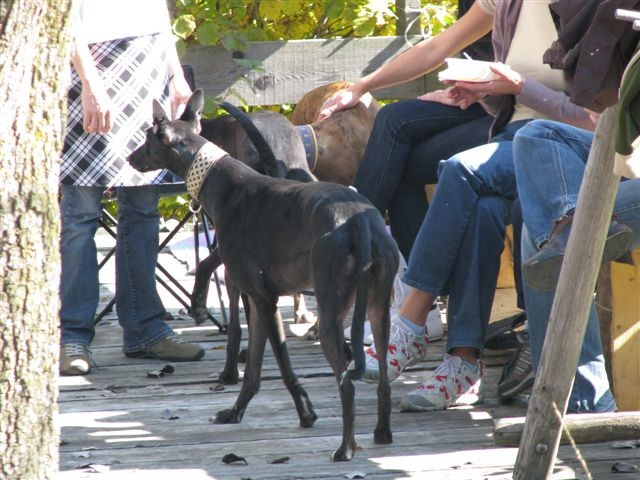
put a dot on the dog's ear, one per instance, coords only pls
(193, 110)
(159, 114)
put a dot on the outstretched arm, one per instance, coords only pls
(417, 60)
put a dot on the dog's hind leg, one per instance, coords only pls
(378, 314)
(258, 331)
(277, 337)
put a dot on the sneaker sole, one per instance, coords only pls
(151, 355)
(510, 392)
(407, 406)
(544, 275)
(374, 377)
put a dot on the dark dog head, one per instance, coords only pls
(171, 144)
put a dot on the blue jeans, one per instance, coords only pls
(550, 160)
(408, 140)
(138, 306)
(456, 253)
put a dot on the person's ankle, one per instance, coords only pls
(467, 354)
(409, 325)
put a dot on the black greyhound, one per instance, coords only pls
(277, 237)
(283, 156)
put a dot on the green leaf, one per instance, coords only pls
(271, 9)
(208, 34)
(184, 26)
(364, 26)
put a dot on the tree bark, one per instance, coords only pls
(34, 59)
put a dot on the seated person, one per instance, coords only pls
(450, 255)
(550, 159)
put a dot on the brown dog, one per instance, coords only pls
(341, 139)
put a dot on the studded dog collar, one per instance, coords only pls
(204, 159)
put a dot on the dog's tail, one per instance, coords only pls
(362, 248)
(270, 164)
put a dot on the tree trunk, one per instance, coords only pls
(34, 59)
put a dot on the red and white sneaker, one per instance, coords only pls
(453, 383)
(405, 349)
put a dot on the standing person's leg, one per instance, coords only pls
(471, 288)
(79, 285)
(140, 310)
(408, 204)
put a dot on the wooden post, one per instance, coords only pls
(408, 12)
(554, 378)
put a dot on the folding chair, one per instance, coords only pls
(163, 275)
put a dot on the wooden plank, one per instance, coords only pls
(578, 428)
(574, 294)
(625, 333)
(289, 69)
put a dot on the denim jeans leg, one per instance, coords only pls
(398, 126)
(473, 282)
(79, 284)
(590, 391)
(408, 205)
(484, 170)
(140, 310)
(549, 160)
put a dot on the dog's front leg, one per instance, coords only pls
(229, 375)
(204, 270)
(251, 381)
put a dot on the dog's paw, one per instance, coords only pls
(312, 334)
(382, 436)
(199, 314)
(226, 416)
(308, 420)
(230, 377)
(344, 453)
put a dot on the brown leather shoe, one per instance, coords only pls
(75, 359)
(172, 349)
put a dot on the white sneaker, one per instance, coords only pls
(453, 383)
(405, 349)
(434, 330)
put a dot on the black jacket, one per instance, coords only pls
(593, 48)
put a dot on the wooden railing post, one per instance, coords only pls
(567, 324)
(408, 12)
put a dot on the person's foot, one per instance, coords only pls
(542, 270)
(517, 376)
(405, 349)
(75, 359)
(453, 383)
(172, 349)
(434, 328)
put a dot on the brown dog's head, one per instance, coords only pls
(171, 144)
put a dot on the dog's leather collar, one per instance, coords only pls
(310, 143)
(199, 168)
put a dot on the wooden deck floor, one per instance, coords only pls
(119, 423)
